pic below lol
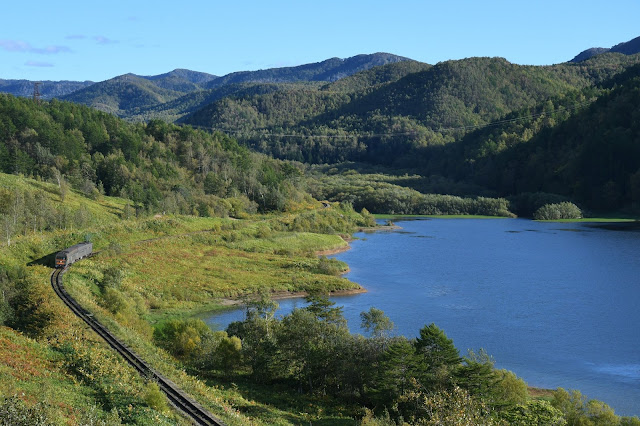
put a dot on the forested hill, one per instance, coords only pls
(425, 122)
(329, 70)
(159, 166)
(380, 122)
(140, 98)
(584, 145)
(127, 94)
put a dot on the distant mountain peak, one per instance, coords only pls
(328, 70)
(630, 47)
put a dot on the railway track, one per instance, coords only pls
(178, 399)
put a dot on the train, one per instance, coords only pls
(69, 255)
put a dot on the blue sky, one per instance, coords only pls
(84, 40)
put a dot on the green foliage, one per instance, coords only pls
(331, 266)
(447, 407)
(434, 345)
(182, 338)
(510, 389)
(114, 301)
(374, 321)
(578, 410)
(158, 166)
(154, 397)
(384, 194)
(534, 412)
(227, 355)
(24, 305)
(565, 210)
(111, 278)
(14, 412)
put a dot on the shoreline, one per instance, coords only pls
(281, 295)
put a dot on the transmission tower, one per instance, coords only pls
(36, 92)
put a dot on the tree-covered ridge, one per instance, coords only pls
(47, 89)
(124, 95)
(464, 121)
(174, 110)
(376, 76)
(159, 166)
(329, 70)
(144, 97)
(590, 154)
(380, 123)
(581, 145)
(182, 80)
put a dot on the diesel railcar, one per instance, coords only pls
(67, 256)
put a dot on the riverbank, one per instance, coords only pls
(283, 295)
(440, 216)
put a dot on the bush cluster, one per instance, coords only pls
(564, 210)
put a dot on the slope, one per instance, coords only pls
(582, 145)
(381, 114)
(630, 47)
(123, 95)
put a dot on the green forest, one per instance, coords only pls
(237, 202)
(485, 126)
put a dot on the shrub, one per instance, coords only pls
(154, 397)
(111, 278)
(13, 411)
(330, 266)
(564, 210)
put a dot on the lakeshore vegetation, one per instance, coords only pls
(185, 221)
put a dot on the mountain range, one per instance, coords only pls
(454, 121)
(172, 95)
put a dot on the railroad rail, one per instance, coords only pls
(177, 398)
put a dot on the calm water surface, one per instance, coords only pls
(558, 304)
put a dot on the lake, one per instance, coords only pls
(556, 303)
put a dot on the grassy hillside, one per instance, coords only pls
(63, 373)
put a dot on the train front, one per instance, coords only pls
(61, 259)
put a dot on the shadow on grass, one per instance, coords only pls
(276, 401)
(48, 260)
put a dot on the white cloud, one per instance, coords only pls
(104, 40)
(38, 64)
(23, 46)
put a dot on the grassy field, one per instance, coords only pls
(191, 272)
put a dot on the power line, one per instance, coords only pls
(36, 92)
